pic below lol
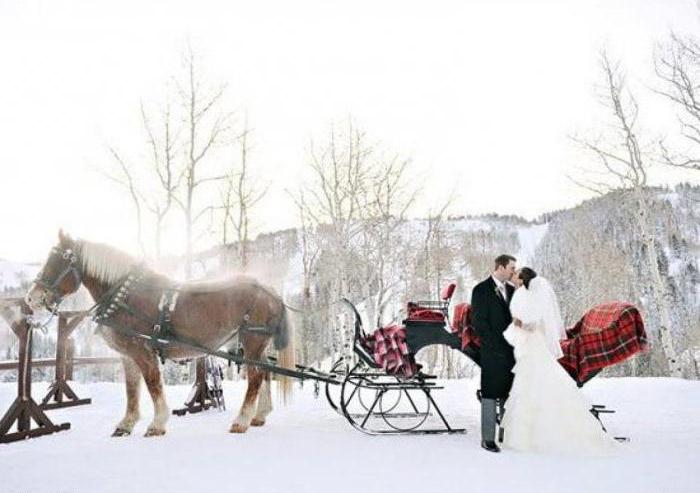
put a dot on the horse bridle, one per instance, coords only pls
(70, 269)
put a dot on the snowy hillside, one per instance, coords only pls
(14, 274)
(307, 448)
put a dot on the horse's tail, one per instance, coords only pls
(284, 343)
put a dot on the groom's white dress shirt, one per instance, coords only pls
(501, 287)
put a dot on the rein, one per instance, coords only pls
(301, 372)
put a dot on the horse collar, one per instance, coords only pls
(114, 298)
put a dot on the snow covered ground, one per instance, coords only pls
(306, 447)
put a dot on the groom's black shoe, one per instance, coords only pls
(490, 446)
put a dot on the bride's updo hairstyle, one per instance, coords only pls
(526, 275)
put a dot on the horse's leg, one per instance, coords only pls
(132, 376)
(264, 402)
(242, 421)
(147, 362)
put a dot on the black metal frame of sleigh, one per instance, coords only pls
(378, 403)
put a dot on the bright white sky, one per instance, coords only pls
(481, 94)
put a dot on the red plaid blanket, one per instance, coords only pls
(462, 326)
(390, 351)
(422, 314)
(607, 334)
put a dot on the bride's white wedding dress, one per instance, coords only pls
(546, 412)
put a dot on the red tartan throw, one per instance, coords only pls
(606, 335)
(462, 325)
(390, 351)
(421, 314)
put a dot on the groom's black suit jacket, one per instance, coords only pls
(490, 318)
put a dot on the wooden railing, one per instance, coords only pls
(24, 410)
(49, 362)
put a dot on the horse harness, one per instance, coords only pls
(71, 268)
(163, 329)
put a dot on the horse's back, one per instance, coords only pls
(219, 285)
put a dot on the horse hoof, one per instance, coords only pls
(153, 432)
(121, 432)
(237, 428)
(257, 422)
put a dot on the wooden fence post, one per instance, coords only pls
(59, 391)
(70, 355)
(23, 410)
(200, 397)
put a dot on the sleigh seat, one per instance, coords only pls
(394, 347)
(430, 311)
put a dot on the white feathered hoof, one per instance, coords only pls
(238, 428)
(154, 432)
(121, 432)
(257, 422)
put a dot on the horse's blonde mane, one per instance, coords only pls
(104, 262)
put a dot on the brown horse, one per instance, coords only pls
(130, 296)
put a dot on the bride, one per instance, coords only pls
(545, 411)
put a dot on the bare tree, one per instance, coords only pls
(351, 211)
(382, 211)
(310, 247)
(125, 178)
(153, 182)
(207, 126)
(678, 66)
(432, 264)
(163, 144)
(623, 167)
(339, 175)
(310, 250)
(239, 198)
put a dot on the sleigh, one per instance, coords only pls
(384, 390)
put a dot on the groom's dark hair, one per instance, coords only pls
(527, 275)
(504, 260)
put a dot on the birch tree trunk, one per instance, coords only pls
(659, 288)
(624, 165)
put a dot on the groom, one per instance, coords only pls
(490, 317)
